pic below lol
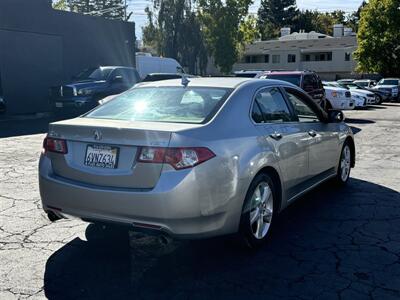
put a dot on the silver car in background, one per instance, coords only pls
(194, 158)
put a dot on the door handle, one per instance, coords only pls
(276, 136)
(312, 133)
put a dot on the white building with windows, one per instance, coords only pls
(331, 57)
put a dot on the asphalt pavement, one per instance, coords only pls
(334, 243)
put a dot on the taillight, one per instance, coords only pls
(179, 158)
(55, 145)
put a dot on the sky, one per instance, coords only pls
(139, 16)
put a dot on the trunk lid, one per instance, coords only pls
(122, 139)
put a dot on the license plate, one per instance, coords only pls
(101, 156)
(59, 104)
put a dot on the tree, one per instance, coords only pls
(221, 21)
(110, 9)
(60, 5)
(174, 30)
(274, 14)
(379, 38)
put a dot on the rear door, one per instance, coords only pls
(272, 116)
(323, 138)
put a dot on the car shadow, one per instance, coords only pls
(358, 121)
(313, 250)
(355, 130)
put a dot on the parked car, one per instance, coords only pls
(248, 73)
(370, 96)
(346, 81)
(91, 85)
(360, 100)
(369, 85)
(164, 76)
(198, 158)
(147, 64)
(309, 81)
(365, 83)
(338, 98)
(390, 85)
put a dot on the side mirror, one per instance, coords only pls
(335, 116)
(117, 79)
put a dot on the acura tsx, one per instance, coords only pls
(194, 158)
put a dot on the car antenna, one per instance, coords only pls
(184, 81)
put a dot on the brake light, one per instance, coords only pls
(179, 158)
(55, 145)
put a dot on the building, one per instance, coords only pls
(330, 57)
(41, 47)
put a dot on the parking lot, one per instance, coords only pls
(333, 243)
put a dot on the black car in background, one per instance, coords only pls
(309, 81)
(91, 85)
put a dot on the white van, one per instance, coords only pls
(146, 64)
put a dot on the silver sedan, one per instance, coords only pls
(196, 157)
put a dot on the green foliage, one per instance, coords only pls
(221, 22)
(110, 9)
(217, 27)
(174, 30)
(60, 5)
(379, 38)
(274, 14)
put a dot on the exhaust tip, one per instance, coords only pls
(52, 216)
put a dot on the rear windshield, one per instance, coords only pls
(295, 79)
(389, 82)
(163, 104)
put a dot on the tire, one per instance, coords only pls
(344, 167)
(379, 100)
(261, 200)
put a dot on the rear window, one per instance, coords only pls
(295, 79)
(389, 82)
(163, 104)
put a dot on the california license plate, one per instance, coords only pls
(102, 156)
(59, 104)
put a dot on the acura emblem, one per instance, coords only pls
(97, 135)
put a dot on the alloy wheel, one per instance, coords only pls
(261, 210)
(345, 163)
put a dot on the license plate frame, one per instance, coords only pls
(102, 150)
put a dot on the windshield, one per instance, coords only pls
(388, 82)
(163, 104)
(295, 79)
(93, 74)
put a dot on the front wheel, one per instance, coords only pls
(343, 173)
(259, 211)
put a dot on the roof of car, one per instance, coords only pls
(223, 82)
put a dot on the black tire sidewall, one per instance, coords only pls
(245, 229)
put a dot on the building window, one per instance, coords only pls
(266, 58)
(247, 59)
(307, 57)
(347, 56)
(276, 59)
(291, 58)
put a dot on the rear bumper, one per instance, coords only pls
(174, 206)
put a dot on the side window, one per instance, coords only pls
(301, 108)
(129, 76)
(270, 106)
